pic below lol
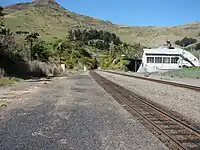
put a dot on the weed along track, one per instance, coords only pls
(175, 134)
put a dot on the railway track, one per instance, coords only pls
(175, 134)
(191, 87)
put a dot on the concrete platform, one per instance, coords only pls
(73, 113)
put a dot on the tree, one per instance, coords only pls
(3, 31)
(106, 45)
(31, 38)
(84, 53)
(84, 37)
(60, 46)
(6, 41)
(22, 32)
(77, 34)
(197, 47)
(41, 51)
(117, 41)
(99, 45)
(106, 37)
(1, 16)
(101, 35)
(71, 35)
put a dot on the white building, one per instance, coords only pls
(165, 58)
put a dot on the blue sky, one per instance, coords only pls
(134, 12)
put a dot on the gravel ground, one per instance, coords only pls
(73, 113)
(183, 80)
(182, 101)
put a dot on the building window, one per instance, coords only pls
(150, 59)
(174, 60)
(166, 60)
(158, 59)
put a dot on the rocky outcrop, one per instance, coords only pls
(44, 1)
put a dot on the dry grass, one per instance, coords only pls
(42, 69)
(55, 21)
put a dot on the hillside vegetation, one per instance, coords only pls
(26, 52)
(52, 20)
(37, 37)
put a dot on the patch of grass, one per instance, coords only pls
(8, 81)
(192, 72)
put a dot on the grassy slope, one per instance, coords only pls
(53, 20)
(40, 20)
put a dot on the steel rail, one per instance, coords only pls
(126, 97)
(191, 87)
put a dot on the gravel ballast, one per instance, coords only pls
(185, 102)
(165, 77)
(74, 113)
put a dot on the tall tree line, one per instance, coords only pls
(99, 39)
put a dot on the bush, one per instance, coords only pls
(71, 63)
(120, 64)
(197, 47)
(92, 63)
(14, 65)
(41, 51)
(42, 69)
(38, 69)
(56, 71)
(106, 62)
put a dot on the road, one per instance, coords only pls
(72, 112)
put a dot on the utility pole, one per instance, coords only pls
(111, 47)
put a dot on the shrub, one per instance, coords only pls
(92, 63)
(106, 62)
(120, 64)
(42, 69)
(197, 47)
(71, 63)
(41, 51)
(56, 71)
(38, 69)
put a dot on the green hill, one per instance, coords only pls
(50, 20)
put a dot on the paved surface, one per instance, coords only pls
(72, 113)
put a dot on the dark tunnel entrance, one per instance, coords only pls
(134, 64)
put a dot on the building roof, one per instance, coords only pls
(165, 50)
